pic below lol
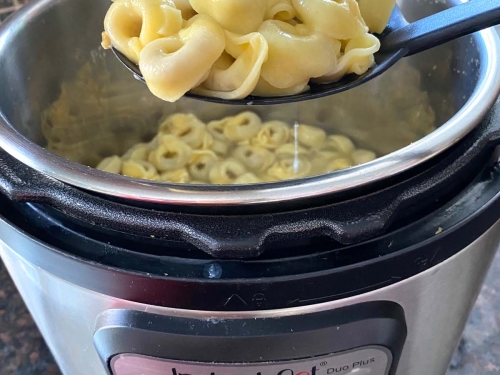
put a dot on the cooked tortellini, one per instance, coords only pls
(172, 66)
(376, 13)
(112, 164)
(130, 25)
(226, 172)
(237, 72)
(272, 135)
(255, 158)
(139, 169)
(281, 10)
(231, 49)
(187, 127)
(242, 127)
(237, 16)
(239, 149)
(202, 163)
(310, 136)
(171, 154)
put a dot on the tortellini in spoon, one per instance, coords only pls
(238, 149)
(230, 49)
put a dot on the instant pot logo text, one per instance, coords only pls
(313, 371)
(324, 368)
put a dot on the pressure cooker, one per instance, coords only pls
(369, 270)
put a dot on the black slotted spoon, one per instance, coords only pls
(399, 40)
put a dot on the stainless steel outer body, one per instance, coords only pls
(33, 70)
(436, 303)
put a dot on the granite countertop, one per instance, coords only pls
(23, 351)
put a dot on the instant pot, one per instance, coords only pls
(370, 270)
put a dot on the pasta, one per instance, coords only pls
(242, 127)
(272, 135)
(340, 20)
(201, 164)
(237, 16)
(237, 71)
(338, 143)
(171, 154)
(281, 10)
(291, 150)
(226, 172)
(112, 164)
(132, 24)
(180, 176)
(255, 158)
(358, 58)
(376, 13)
(188, 128)
(296, 53)
(230, 49)
(138, 152)
(287, 169)
(247, 178)
(172, 66)
(241, 149)
(310, 136)
(363, 156)
(139, 169)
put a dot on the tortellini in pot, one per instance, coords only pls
(247, 178)
(310, 136)
(236, 73)
(188, 128)
(242, 127)
(272, 135)
(339, 164)
(296, 53)
(220, 147)
(291, 168)
(226, 172)
(363, 156)
(291, 151)
(178, 176)
(171, 154)
(131, 24)
(216, 129)
(139, 169)
(112, 164)
(139, 151)
(255, 158)
(338, 143)
(237, 16)
(237, 149)
(320, 161)
(172, 66)
(202, 162)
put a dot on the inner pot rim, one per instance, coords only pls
(90, 179)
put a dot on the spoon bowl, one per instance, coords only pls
(400, 39)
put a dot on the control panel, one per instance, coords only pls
(363, 339)
(373, 361)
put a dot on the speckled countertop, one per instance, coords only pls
(23, 351)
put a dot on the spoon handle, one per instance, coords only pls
(441, 27)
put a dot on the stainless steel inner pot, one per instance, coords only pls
(53, 46)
